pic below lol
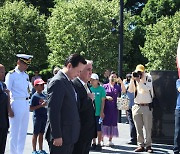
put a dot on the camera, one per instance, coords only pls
(137, 74)
(114, 80)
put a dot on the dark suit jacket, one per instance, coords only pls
(86, 112)
(63, 116)
(4, 120)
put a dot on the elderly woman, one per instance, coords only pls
(113, 90)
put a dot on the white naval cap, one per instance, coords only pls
(25, 58)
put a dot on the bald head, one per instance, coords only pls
(1, 66)
(2, 72)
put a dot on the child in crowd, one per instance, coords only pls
(100, 95)
(37, 105)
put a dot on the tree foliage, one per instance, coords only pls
(135, 6)
(161, 43)
(82, 26)
(43, 6)
(22, 30)
(154, 9)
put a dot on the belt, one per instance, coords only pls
(146, 104)
(20, 98)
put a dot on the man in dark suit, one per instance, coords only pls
(86, 111)
(4, 105)
(64, 123)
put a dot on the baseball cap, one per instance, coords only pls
(25, 58)
(128, 75)
(94, 76)
(140, 68)
(38, 81)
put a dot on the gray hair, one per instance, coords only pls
(55, 70)
(89, 61)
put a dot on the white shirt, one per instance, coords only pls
(144, 90)
(17, 83)
(65, 75)
(85, 85)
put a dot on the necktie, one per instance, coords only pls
(88, 91)
(87, 88)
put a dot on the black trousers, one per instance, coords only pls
(132, 126)
(3, 137)
(176, 147)
(64, 149)
(82, 147)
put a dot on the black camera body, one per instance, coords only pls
(137, 74)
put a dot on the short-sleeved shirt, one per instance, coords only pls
(35, 100)
(99, 94)
(130, 95)
(178, 94)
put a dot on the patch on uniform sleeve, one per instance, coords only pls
(149, 80)
(12, 71)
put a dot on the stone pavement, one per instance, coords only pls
(120, 143)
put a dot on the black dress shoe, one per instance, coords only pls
(132, 143)
(98, 147)
(93, 147)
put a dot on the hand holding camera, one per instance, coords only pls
(137, 75)
(118, 80)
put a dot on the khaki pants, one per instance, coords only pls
(142, 118)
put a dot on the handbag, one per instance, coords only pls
(123, 102)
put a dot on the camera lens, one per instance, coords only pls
(135, 74)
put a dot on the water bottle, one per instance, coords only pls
(100, 120)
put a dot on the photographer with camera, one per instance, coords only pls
(141, 85)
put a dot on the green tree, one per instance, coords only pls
(154, 9)
(42, 5)
(138, 31)
(161, 43)
(22, 30)
(82, 26)
(135, 6)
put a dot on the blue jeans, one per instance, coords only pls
(132, 126)
(176, 148)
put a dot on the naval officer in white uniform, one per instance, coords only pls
(17, 82)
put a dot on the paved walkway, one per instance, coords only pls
(120, 147)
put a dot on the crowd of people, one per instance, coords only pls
(78, 113)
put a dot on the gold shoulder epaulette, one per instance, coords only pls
(12, 71)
